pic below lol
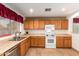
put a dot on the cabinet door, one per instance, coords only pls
(41, 24)
(30, 24)
(54, 22)
(41, 42)
(26, 24)
(22, 49)
(67, 42)
(34, 41)
(47, 22)
(58, 24)
(59, 42)
(27, 44)
(36, 24)
(64, 24)
(37, 41)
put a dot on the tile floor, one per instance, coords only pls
(51, 52)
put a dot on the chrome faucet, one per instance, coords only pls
(17, 35)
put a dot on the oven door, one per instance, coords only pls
(12, 52)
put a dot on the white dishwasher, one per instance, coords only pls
(12, 52)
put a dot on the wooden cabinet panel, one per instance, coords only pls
(67, 42)
(36, 24)
(63, 42)
(41, 24)
(60, 24)
(27, 44)
(34, 41)
(59, 42)
(23, 49)
(41, 42)
(37, 41)
(64, 24)
(26, 24)
(24, 46)
(31, 24)
(57, 24)
(54, 22)
(47, 22)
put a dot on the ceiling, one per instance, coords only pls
(39, 9)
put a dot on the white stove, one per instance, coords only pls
(50, 37)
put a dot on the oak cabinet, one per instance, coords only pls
(27, 44)
(59, 42)
(31, 24)
(41, 24)
(24, 46)
(63, 42)
(37, 41)
(36, 24)
(26, 24)
(58, 24)
(67, 42)
(64, 24)
(41, 41)
(47, 22)
(34, 41)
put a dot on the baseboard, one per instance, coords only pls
(37, 47)
(75, 50)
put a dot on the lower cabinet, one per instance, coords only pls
(67, 42)
(24, 46)
(22, 49)
(37, 41)
(59, 42)
(63, 42)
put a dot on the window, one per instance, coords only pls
(8, 26)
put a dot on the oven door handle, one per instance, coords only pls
(10, 52)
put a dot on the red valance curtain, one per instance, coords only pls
(76, 20)
(8, 13)
(19, 19)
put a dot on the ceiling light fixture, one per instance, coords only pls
(31, 10)
(63, 9)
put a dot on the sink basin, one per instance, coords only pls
(15, 39)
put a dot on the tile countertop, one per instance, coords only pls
(6, 44)
(44, 35)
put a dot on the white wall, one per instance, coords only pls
(75, 36)
(75, 41)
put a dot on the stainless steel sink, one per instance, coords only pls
(17, 39)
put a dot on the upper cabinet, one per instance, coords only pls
(64, 24)
(36, 24)
(31, 24)
(39, 23)
(26, 24)
(57, 24)
(47, 21)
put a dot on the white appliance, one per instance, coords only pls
(50, 37)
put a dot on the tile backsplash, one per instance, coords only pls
(42, 31)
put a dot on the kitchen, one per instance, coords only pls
(43, 29)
